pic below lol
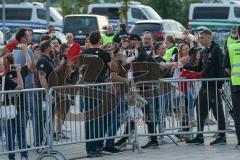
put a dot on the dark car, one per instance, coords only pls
(159, 28)
(81, 25)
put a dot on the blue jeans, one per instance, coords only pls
(17, 126)
(2, 127)
(191, 102)
(114, 120)
(34, 103)
(93, 126)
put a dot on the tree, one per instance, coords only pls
(124, 12)
(172, 9)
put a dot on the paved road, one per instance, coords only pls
(165, 152)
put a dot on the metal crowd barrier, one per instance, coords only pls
(98, 114)
(23, 124)
(90, 113)
(177, 106)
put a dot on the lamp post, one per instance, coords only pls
(4, 20)
(48, 12)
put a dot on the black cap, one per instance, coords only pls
(124, 37)
(135, 37)
(122, 25)
(193, 50)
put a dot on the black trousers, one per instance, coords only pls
(236, 112)
(210, 99)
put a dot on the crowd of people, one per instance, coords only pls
(198, 57)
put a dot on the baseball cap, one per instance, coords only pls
(124, 37)
(134, 37)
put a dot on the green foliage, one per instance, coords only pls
(167, 9)
(172, 9)
(123, 11)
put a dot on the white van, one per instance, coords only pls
(214, 16)
(136, 12)
(81, 25)
(32, 15)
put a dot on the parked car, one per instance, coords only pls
(80, 25)
(136, 12)
(29, 15)
(37, 33)
(159, 28)
(214, 16)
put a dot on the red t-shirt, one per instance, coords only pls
(73, 52)
(11, 45)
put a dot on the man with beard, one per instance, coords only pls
(148, 43)
(24, 37)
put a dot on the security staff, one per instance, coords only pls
(108, 37)
(211, 67)
(171, 48)
(232, 67)
(233, 38)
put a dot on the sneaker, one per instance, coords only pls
(62, 136)
(196, 140)
(42, 151)
(121, 143)
(150, 144)
(91, 154)
(111, 150)
(99, 152)
(55, 137)
(219, 141)
(24, 158)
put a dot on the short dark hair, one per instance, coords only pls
(123, 26)
(45, 37)
(20, 34)
(170, 38)
(44, 45)
(63, 47)
(206, 32)
(94, 37)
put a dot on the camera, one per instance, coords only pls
(18, 47)
(13, 67)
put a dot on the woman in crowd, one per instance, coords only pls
(17, 125)
(163, 103)
(192, 88)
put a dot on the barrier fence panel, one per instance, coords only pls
(23, 126)
(183, 107)
(94, 114)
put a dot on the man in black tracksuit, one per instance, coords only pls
(209, 95)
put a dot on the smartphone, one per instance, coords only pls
(19, 47)
(13, 67)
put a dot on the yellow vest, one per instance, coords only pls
(107, 39)
(230, 41)
(234, 56)
(169, 53)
